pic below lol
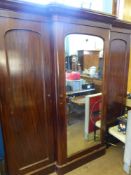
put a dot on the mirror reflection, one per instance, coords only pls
(83, 73)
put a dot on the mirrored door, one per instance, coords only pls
(83, 80)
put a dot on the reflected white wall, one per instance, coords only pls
(75, 42)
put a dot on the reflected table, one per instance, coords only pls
(80, 92)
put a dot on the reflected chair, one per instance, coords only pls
(92, 114)
(75, 109)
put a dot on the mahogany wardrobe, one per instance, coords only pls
(33, 94)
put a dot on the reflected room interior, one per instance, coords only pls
(83, 73)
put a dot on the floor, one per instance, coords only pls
(76, 130)
(75, 136)
(109, 164)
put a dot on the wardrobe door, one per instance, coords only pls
(25, 96)
(118, 71)
(75, 142)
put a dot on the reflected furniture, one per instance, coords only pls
(80, 92)
(88, 58)
(92, 112)
(96, 81)
(32, 83)
(80, 100)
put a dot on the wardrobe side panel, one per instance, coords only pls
(118, 72)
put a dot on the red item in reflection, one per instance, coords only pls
(95, 108)
(73, 76)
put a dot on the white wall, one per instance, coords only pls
(98, 5)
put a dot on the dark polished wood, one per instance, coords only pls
(26, 100)
(61, 30)
(80, 161)
(32, 82)
(84, 152)
(121, 24)
(61, 10)
(118, 71)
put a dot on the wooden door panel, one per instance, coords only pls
(26, 92)
(118, 68)
(61, 30)
(25, 119)
(118, 53)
